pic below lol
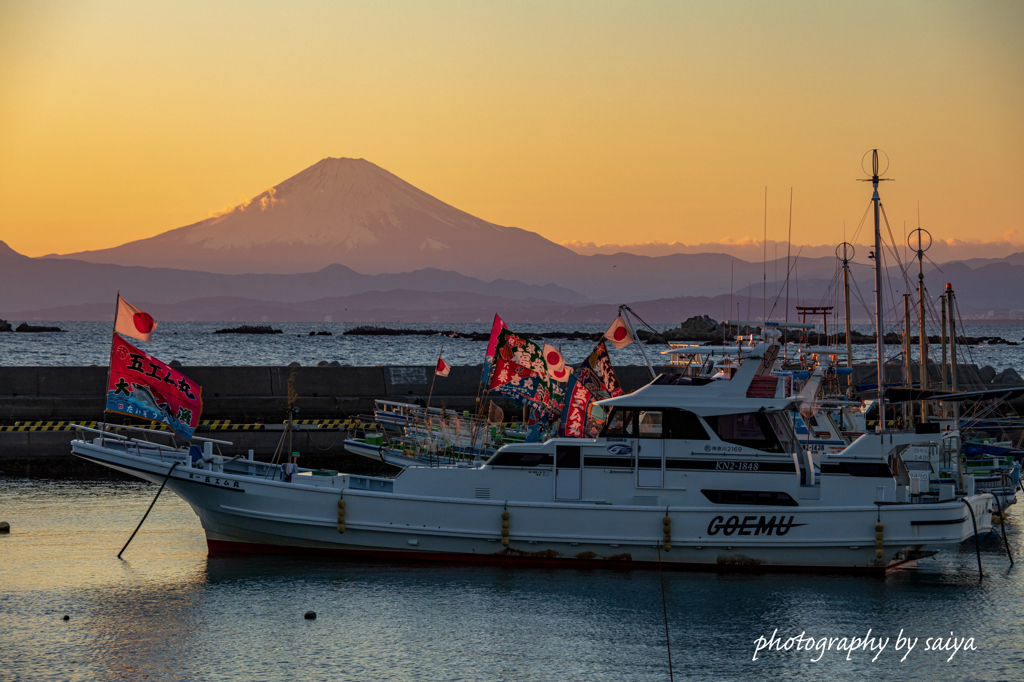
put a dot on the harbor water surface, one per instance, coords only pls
(194, 343)
(171, 612)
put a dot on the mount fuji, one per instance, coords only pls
(346, 211)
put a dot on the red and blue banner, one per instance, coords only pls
(577, 409)
(144, 387)
(519, 383)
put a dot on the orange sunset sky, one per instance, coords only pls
(591, 121)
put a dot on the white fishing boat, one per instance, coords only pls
(705, 475)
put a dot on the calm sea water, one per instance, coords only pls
(169, 612)
(194, 343)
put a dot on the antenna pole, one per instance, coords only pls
(945, 367)
(728, 313)
(906, 355)
(951, 310)
(764, 261)
(789, 250)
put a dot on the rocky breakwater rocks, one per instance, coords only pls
(472, 336)
(31, 328)
(1008, 377)
(247, 329)
(698, 328)
(6, 326)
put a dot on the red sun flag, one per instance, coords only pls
(442, 368)
(619, 334)
(561, 375)
(555, 363)
(133, 322)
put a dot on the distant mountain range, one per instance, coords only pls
(347, 239)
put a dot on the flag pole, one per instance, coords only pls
(106, 386)
(483, 369)
(625, 318)
(434, 378)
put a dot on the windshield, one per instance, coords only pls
(784, 432)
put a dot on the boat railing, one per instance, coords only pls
(126, 441)
(171, 434)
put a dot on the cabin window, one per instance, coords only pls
(619, 424)
(521, 459)
(751, 430)
(758, 497)
(650, 423)
(607, 462)
(682, 425)
(568, 456)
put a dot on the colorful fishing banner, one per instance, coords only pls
(601, 364)
(520, 383)
(557, 399)
(142, 386)
(586, 376)
(577, 407)
(514, 348)
(496, 328)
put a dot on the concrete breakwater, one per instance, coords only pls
(248, 394)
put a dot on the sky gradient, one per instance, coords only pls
(597, 122)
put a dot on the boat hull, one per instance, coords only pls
(246, 513)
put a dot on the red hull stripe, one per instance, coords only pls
(232, 547)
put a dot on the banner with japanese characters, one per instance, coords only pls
(514, 348)
(577, 407)
(586, 376)
(602, 366)
(144, 387)
(519, 383)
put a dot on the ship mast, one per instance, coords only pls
(847, 255)
(879, 310)
(922, 347)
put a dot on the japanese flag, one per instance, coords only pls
(442, 368)
(555, 363)
(619, 334)
(133, 322)
(561, 375)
